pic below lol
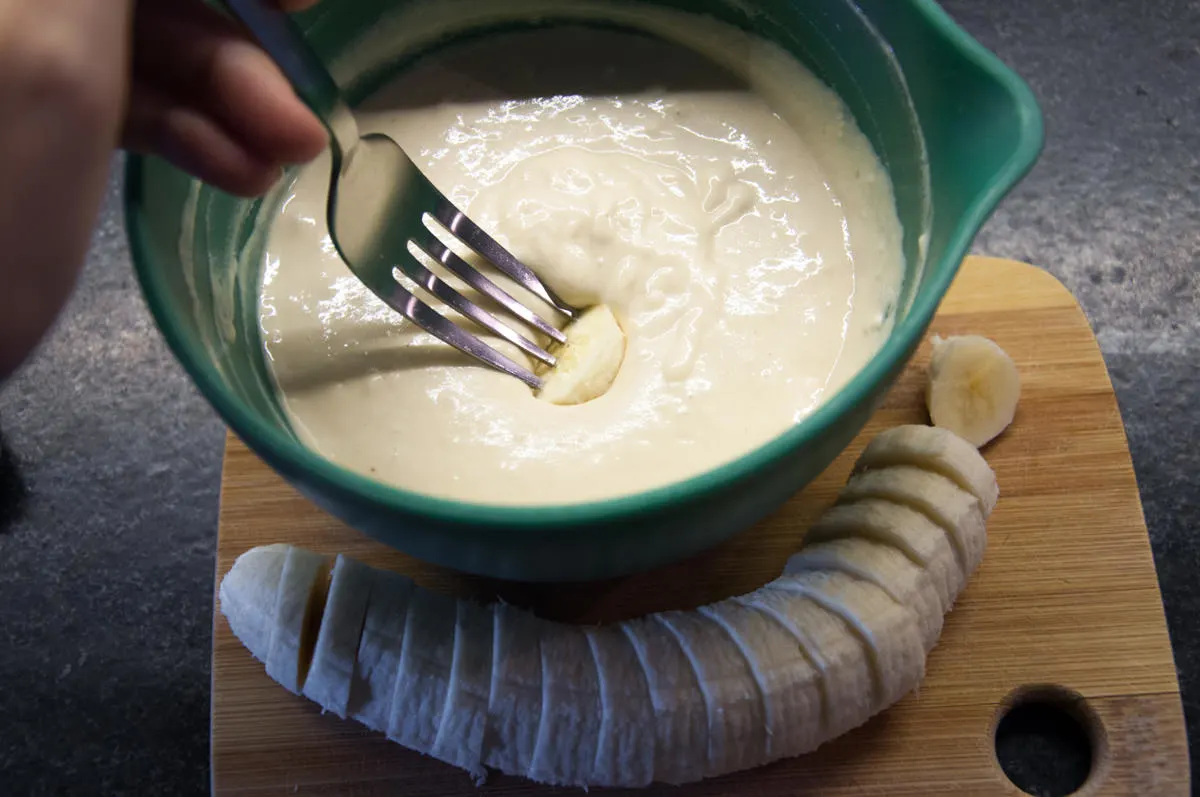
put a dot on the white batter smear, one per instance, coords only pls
(750, 249)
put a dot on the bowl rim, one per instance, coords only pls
(275, 446)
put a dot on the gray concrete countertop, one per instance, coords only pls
(110, 463)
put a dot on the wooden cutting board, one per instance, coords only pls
(1066, 597)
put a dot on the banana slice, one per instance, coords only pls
(625, 753)
(939, 450)
(680, 714)
(590, 360)
(299, 605)
(330, 674)
(248, 593)
(426, 665)
(379, 650)
(973, 387)
(569, 731)
(459, 738)
(515, 701)
(736, 716)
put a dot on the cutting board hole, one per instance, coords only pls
(1047, 741)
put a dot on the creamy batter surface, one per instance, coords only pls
(749, 247)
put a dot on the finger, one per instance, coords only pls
(187, 50)
(195, 143)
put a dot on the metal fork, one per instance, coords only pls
(378, 202)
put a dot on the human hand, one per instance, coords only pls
(206, 98)
(78, 78)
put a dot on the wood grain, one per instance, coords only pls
(1066, 596)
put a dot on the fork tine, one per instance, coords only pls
(464, 271)
(421, 314)
(417, 272)
(473, 236)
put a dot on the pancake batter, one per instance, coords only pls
(750, 250)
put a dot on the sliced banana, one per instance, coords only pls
(329, 676)
(672, 697)
(589, 361)
(973, 387)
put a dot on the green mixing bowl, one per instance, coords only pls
(954, 127)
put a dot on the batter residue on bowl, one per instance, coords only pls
(750, 250)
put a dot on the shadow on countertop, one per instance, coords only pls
(14, 494)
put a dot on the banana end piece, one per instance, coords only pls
(589, 361)
(972, 389)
